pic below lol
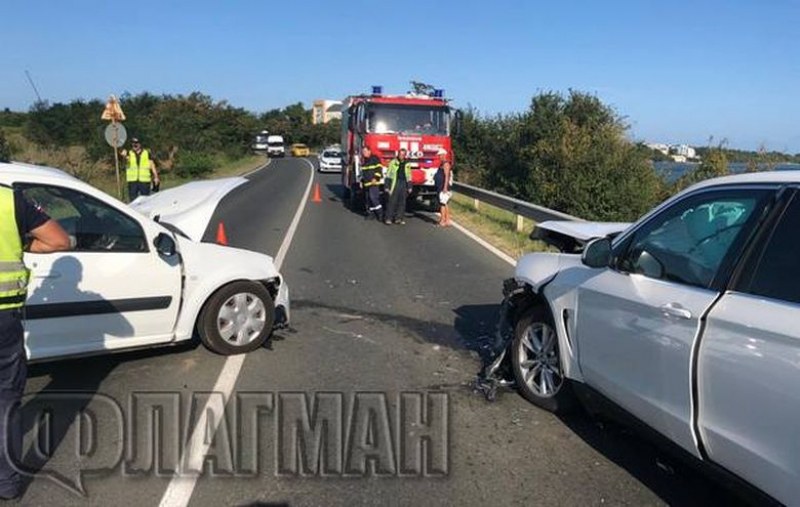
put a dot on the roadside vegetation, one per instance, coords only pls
(572, 153)
(191, 136)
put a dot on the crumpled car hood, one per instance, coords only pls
(572, 236)
(188, 207)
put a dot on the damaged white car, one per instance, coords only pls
(138, 275)
(684, 324)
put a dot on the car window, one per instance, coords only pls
(95, 225)
(687, 242)
(776, 272)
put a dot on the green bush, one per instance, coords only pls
(194, 164)
(5, 150)
(568, 153)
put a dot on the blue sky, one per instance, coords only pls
(679, 71)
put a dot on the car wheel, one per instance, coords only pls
(237, 318)
(536, 362)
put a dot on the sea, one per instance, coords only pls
(671, 171)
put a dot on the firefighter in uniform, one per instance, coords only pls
(18, 218)
(372, 179)
(141, 171)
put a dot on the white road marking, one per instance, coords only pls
(245, 175)
(180, 488)
(486, 245)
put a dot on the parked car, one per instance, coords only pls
(300, 150)
(139, 275)
(686, 320)
(330, 160)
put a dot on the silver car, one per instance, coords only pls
(688, 320)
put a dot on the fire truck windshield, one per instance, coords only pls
(408, 119)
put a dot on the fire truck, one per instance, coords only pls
(386, 123)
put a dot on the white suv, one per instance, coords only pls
(686, 320)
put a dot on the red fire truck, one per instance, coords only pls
(387, 123)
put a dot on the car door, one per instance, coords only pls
(748, 369)
(113, 290)
(637, 321)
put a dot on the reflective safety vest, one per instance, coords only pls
(139, 172)
(13, 275)
(372, 174)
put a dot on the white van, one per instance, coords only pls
(275, 146)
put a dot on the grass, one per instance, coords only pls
(496, 226)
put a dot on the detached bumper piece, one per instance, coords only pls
(497, 373)
(283, 308)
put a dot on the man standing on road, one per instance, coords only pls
(141, 171)
(400, 174)
(372, 179)
(18, 219)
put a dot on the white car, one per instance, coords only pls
(686, 320)
(139, 275)
(330, 160)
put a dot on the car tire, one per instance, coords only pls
(237, 318)
(537, 363)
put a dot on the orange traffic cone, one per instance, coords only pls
(222, 238)
(317, 197)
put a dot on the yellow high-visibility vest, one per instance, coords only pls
(140, 172)
(13, 274)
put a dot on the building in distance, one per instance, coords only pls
(323, 111)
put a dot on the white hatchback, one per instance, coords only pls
(139, 275)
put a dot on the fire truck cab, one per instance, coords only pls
(386, 123)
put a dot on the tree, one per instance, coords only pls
(421, 88)
(5, 150)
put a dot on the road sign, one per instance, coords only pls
(113, 110)
(116, 135)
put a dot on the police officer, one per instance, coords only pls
(141, 171)
(399, 172)
(18, 220)
(372, 179)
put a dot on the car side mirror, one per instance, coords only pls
(458, 118)
(597, 253)
(165, 245)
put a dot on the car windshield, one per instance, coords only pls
(331, 154)
(261, 139)
(406, 119)
(275, 143)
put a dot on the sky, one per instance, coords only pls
(678, 71)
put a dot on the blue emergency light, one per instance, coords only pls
(377, 90)
(438, 93)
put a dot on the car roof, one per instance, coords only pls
(792, 176)
(17, 170)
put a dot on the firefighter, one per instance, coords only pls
(400, 173)
(141, 171)
(18, 220)
(371, 180)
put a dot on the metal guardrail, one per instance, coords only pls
(516, 206)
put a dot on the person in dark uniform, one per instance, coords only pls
(399, 173)
(19, 219)
(372, 179)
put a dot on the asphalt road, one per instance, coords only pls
(377, 311)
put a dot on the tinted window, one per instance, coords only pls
(777, 272)
(95, 225)
(688, 242)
